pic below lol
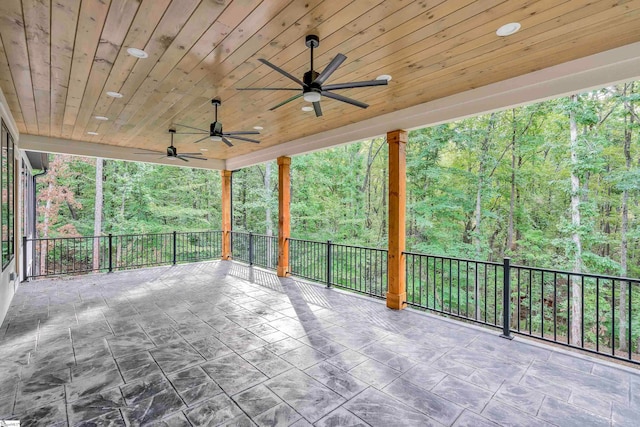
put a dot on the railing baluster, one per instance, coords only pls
(597, 314)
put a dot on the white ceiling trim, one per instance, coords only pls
(7, 117)
(595, 71)
(90, 149)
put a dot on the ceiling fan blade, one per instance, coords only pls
(201, 139)
(191, 133)
(267, 88)
(317, 108)
(344, 99)
(192, 157)
(191, 154)
(249, 132)
(281, 71)
(151, 152)
(179, 156)
(191, 127)
(286, 102)
(226, 141)
(329, 69)
(245, 139)
(351, 85)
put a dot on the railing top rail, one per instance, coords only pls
(168, 233)
(293, 239)
(499, 264)
(198, 232)
(43, 239)
(275, 236)
(369, 248)
(573, 273)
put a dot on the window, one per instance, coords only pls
(7, 205)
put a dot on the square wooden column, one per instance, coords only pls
(397, 293)
(226, 214)
(284, 217)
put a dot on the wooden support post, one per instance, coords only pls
(397, 294)
(226, 214)
(284, 217)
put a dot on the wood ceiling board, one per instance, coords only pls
(167, 94)
(163, 37)
(12, 102)
(181, 46)
(175, 114)
(37, 29)
(203, 48)
(405, 93)
(93, 14)
(15, 47)
(119, 19)
(65, 14)
(147, 18)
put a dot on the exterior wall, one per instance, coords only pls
(9, 281)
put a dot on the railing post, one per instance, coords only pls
(24, 257)
(506, 299)
(250, 248)
(329, 264)
(110, 253)
(175, 245)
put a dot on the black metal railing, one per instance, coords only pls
(595, 313)
(255, 249)
(75, 255)
(356, 268)
(591, 312)
(462, 288)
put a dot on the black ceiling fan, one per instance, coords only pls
(172, 152)
(313, 87)
(215, 130)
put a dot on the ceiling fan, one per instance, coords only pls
(215, 130)
(313, 87)
(172, 152)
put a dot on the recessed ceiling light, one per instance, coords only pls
(92, 133)
(114, 94)
(138, 53)
(258, 127)
(386, 77)
(103, 118)
(508, 29)
(311, 96)
(204, 149)
(307, 108)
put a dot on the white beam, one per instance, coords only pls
(90, 149)
(591, 72)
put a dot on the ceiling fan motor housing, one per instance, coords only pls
(215, 128)
(308, 79)
(171, 151)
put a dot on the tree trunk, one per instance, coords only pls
(97, 215)
(484, 147)
(267, 214)
(624, 225)
(44, 249)
(576, 290)
(510, 237)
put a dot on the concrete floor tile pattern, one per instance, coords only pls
(218, 343)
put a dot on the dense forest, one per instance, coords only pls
(554, 184)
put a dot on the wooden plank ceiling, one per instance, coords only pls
(58, 58)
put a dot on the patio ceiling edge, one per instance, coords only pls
(591, 72)
(90, 149)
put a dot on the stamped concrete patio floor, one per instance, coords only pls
(219, 344)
